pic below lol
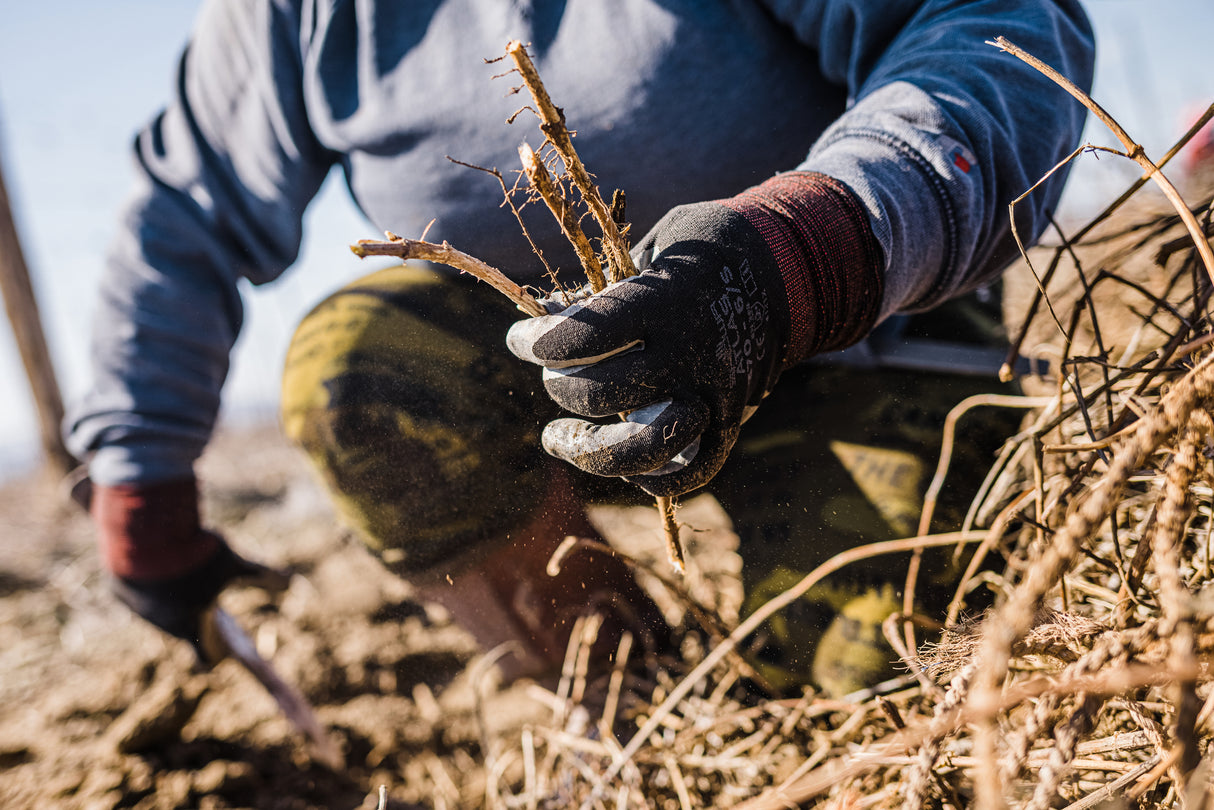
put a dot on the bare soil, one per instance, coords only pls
(99, 711)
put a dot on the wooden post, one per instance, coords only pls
(22, 310)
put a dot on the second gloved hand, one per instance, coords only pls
(730, 294)
(687, 347)
(165, 567)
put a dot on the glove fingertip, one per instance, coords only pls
(652, 439)
(522, 335)
(583, 444)
(701, 461)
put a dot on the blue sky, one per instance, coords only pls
(78, 77)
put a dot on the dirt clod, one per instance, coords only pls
(158, 716)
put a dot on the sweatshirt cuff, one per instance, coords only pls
(148, 532)
(119, 464)
(829, 260)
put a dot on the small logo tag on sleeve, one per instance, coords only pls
(961, 158)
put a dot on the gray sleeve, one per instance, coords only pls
(223, 177)
(943, 130)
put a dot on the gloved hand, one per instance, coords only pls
(165, 566)
(731, 293)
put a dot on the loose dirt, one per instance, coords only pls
(100, 711)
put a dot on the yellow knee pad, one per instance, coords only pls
(424, 427)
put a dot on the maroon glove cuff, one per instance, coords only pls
(150, 531)
(830, 261)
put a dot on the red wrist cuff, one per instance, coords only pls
(829, 259)
(150, 531)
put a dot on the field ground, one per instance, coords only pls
(98, 711)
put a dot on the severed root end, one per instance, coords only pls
(670, 531)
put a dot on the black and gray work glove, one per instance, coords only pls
(165, 566)
(178, 605)
(731, 293)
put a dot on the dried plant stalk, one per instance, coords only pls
(1017, 343)
(937, 484)
(1134, 150)
(1174, 511)
(761, 615)
(670, 532)
(405, 249)
(552, 123)
(545, 186)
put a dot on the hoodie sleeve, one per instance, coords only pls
(223, 176)
(944, 130)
